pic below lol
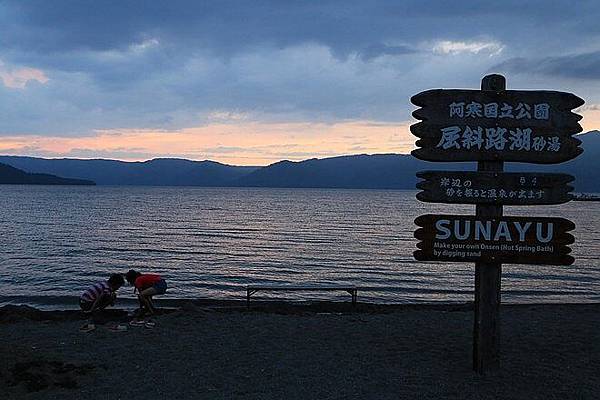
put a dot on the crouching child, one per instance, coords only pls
(99, 296)
(147, 285)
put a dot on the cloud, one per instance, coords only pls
(379, 50)
(450, 47)
(18, 77)
(591, 117)
(577, 66)
(588, 107)
(292, 84)
(227, 150)
(226, 27)
(80, 68)
(226, 116)
(144, 45)
(116, 153)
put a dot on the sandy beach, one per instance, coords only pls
(210, 350)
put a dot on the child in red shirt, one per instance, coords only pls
(147, 285)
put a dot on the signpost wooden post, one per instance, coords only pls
(491, 126)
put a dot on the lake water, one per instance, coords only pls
(211, 242)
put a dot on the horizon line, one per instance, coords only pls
(200, 161)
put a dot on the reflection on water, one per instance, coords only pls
(211, 242)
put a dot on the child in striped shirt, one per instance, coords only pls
(101, 295)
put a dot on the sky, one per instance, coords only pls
(255, 82)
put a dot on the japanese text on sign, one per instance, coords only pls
(498, 138)
(457, 188)
(474, 109)
(478, 138)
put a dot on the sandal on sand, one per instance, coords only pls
(87, 328)
(137, 322)
(118, 328)
(150, 324)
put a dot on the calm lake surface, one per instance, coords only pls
(211, 242)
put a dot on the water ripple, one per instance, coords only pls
(211, 242)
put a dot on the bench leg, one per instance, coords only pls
(353, 293)
(248, 299)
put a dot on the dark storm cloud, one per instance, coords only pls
(579, 66)
(166, 64)
(225, 27)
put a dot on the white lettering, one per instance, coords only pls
(522, 230)
(440, 226)
(503, 231)
(486, 230)
(549, 232)
(465, 234)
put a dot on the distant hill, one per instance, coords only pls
(14, 176)
(157, 172)
(397, 171)
(380, 171)
(584, 168)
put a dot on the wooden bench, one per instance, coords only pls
(251, 289)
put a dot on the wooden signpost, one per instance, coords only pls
(491, 126)
(523, 240)
(496, 125)
(467, 187)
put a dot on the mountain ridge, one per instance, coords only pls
(361, 171)
(160, 171)
(13, 176)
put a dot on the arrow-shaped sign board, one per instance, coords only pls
(509, 188)
(515, 240)
(511, 125)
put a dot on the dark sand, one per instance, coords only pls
(322, 351)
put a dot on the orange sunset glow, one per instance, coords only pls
(239, 143)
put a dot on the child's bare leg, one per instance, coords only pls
(146, 297)
(141, 302)
(143, 305)
(151, 303)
